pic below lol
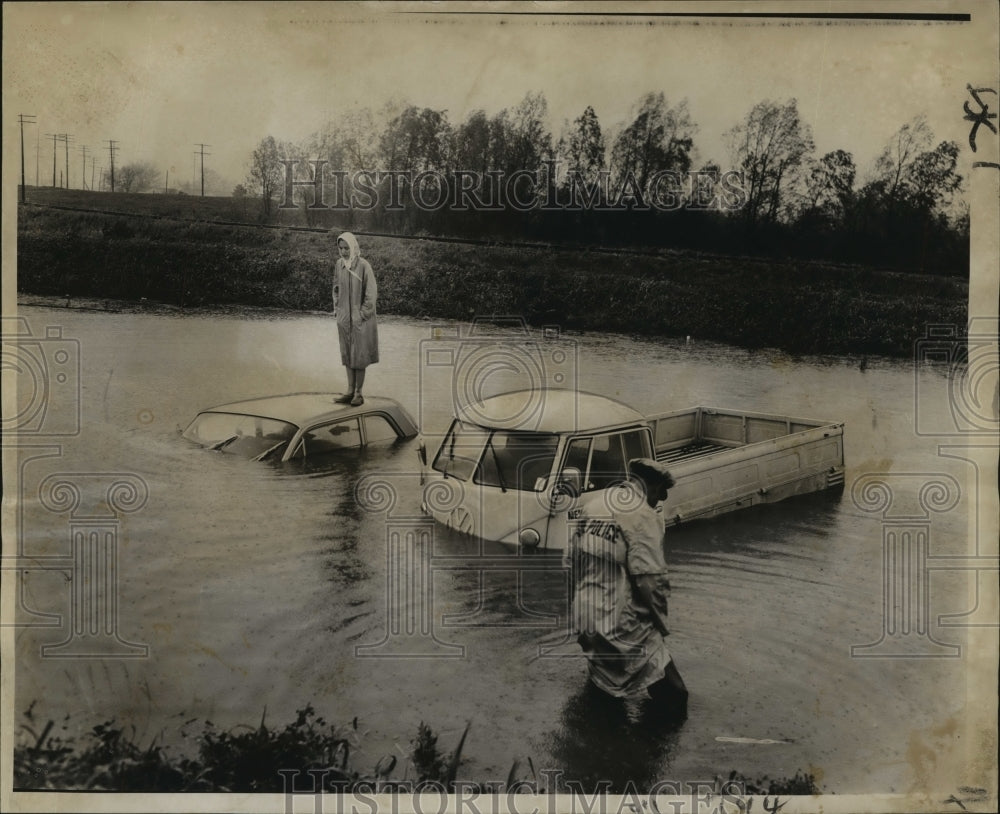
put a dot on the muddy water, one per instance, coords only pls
(253, 586)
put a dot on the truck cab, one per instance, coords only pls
(511, 467)
(516, 467)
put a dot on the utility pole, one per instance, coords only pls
(112, 146)
(66, 139)
(23, 119)
(55, 138)
(202, 153)
(166, 181)
(37, 138)
(83, 168)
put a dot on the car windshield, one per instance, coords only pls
(508, 460)
(250, 436)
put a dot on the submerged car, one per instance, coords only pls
(298, 425)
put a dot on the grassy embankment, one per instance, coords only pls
(259, 759)
(798, 306)
(247, 759)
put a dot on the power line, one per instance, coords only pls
(23, 119)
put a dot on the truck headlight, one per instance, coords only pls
(529, 538)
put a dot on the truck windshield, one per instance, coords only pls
(517, 460)
(461, 450)
(508, 460)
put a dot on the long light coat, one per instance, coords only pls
(610, 550)
(354, 296)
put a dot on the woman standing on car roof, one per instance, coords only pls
(354, 295)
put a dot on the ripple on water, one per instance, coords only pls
(252, 585)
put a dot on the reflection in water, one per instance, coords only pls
(756, 530)
(603, 740)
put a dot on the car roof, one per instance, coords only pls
(550, 410)
(304, 409)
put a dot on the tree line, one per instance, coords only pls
(146, 176)
(905, 212)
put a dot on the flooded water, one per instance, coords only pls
(254, 585)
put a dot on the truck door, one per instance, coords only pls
(590, 464)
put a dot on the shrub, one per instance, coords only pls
(245, 759)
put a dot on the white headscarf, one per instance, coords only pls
(354, 250)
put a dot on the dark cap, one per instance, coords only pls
(652, 472)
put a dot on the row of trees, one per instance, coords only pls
(145, 176)
(903, 211)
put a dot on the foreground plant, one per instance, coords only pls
(244, 759)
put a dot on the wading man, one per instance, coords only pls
(620, 590)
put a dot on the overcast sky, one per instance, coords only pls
(159, 78)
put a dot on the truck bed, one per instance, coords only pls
(727, 459)
(698, 449)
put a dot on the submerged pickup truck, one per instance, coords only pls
(513, 468)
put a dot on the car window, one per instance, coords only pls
(636, 444)
(329, 438)
(607, 462)
(379, 430)
(578, 454)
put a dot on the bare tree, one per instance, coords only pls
(266, 172)
(530, 141)
(582, 146)
(139, 176)
(470, 147)
(908, 173)
(894, 162)
(416, 140)
(769, 147)
(831, 183)
(658, 139)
